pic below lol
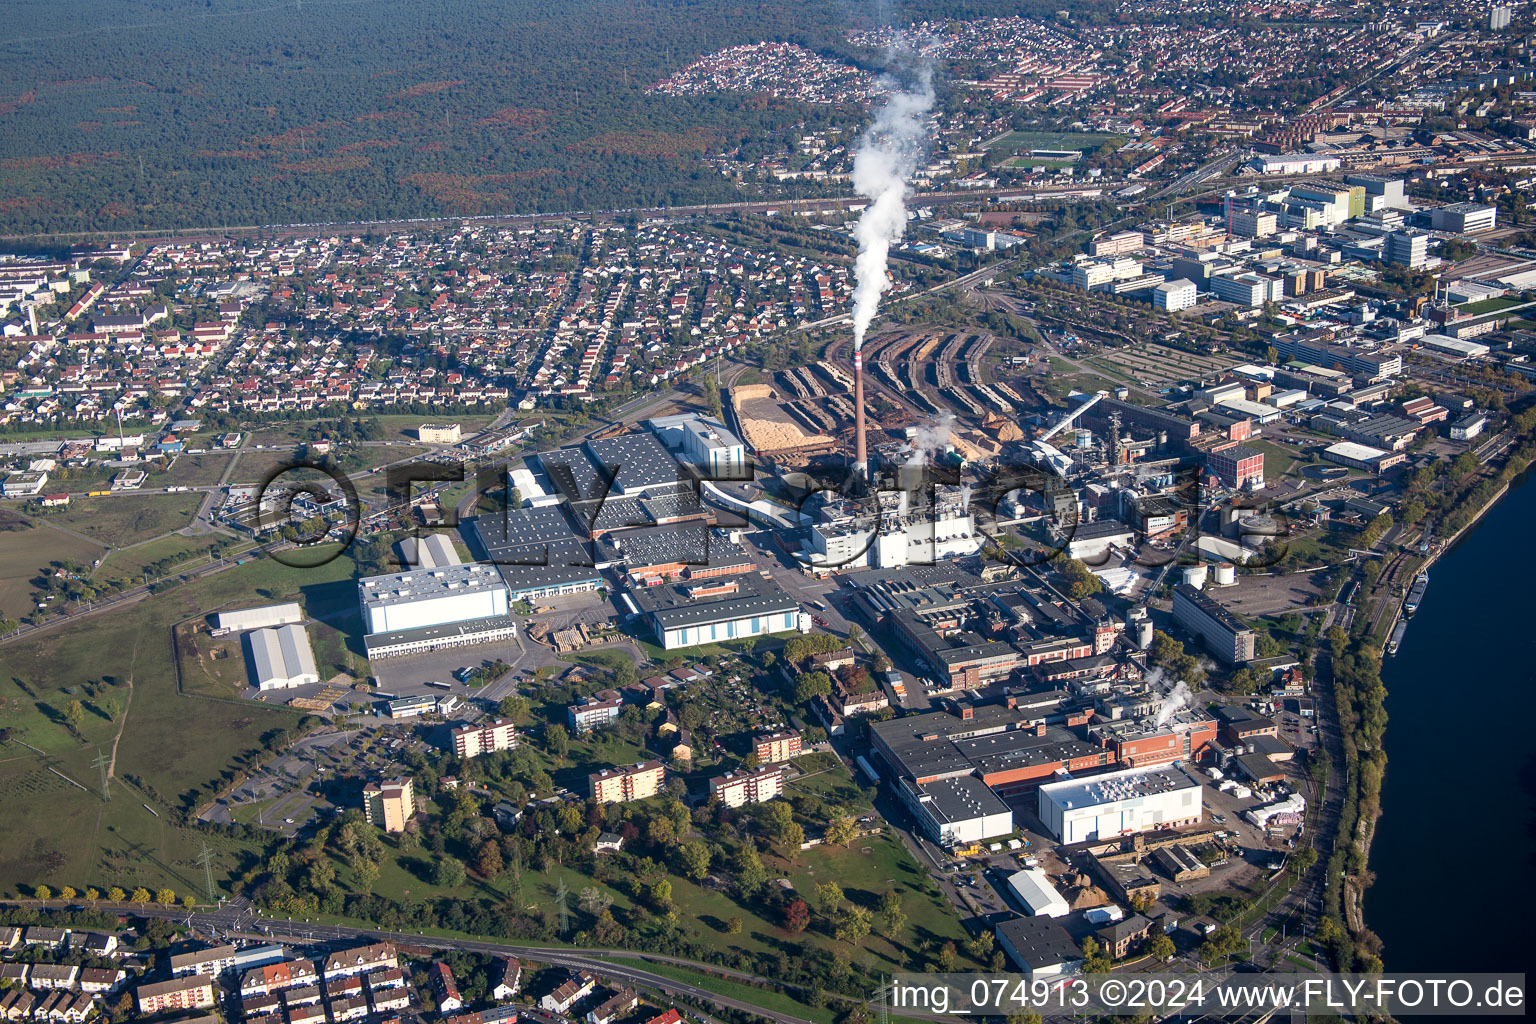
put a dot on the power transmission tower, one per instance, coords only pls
(206, 860)
(102, 763)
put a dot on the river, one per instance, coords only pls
(1456, 843)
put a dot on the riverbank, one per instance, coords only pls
(1360, 696)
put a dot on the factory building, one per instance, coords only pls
(1237, 467)
(903, 532)
(692, 612)
(1226, 636)
(1119, 803)
(433, 551)
(434, 609)
(957, 811)
(1464, 218)
(622, 785)
(1363, 456)
(281, 658)
(431, 597)
(693, 551)
(704, 444)
(1039, 946)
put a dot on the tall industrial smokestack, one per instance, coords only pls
(861, 452)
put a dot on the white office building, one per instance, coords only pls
(1174, 295)
(1120, 803)
(1248, 289)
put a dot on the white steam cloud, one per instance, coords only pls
(931, 437)
(883, 163)
(1170, 699)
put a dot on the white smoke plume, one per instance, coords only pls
(931, 437)
(883, 163)
(1173, 701)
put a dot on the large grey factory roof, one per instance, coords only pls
(637, 461)
(924, 744)
(1041, 942)
(572, 472)
(959, 799)
(517, 528)
(1020, 748)
(671, 606)
(420, 584)
(694, 543)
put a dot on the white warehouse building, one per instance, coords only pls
(432, 597)
(281, 658)
(1120, 803)
(257, 618)
(1034, 889)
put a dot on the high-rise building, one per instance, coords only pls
(1407, 248)
(1498, 17)
(1174, 295)
(484, 738)
(779, 746)
(621, 785)
(389, 805)
(751, 787)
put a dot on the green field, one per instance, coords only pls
(1016, 142)
(24, 552)
(1492, 305)
(1279, 459)
(50, 831)
(194, 470)
(119, 520)
(134, 560)
(1026, 162)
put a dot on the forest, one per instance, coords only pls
(155, 114)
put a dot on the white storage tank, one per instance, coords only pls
(1226, 574)
(1194, 575)
(1144, 634)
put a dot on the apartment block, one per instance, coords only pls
(622, 785)
(737, 788)
(484, 738)
(389, 805)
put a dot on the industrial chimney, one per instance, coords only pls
(861, 453)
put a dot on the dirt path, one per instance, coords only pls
(123, 719)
